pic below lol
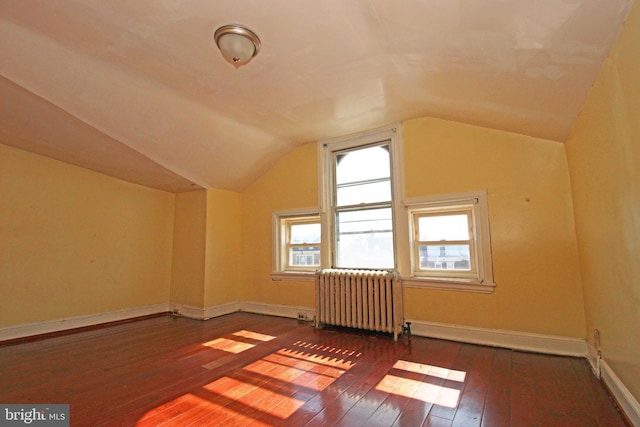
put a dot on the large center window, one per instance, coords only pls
(363, 207)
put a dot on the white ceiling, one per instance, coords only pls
(138, 90)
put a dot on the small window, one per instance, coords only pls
(450, 242)
(297, 241)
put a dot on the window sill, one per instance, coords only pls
(451, 284)
(299, 276)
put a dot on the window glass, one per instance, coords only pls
(362, 165)
(303, 242)
(365, 239)
(379, 191)
(445, 257)
(443, 227)
(363, 176)
(305, 233)
(304, 256)
(364, 221)
(365, 251)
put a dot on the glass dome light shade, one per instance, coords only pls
(237, 44)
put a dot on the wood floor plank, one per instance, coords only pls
(252, 370)
(497, 408)
(524, 407)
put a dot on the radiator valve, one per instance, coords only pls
(407, 329)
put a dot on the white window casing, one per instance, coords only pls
(389, 136)
(479, 275)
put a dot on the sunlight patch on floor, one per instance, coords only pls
(228, 345)
(238, 345)
(433, 371)
(255, 396)
(426, 392)
(405, 385)
(325, 355)
(254, 336)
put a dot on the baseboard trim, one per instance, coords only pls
(538, 343)
(205, 313)
(623, 397)
(492, 337)
(288, 311)
(53, 326)
(248, 306)
(28, 330)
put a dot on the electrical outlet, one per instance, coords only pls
(302, 316)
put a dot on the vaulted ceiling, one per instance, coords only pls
(138, 90)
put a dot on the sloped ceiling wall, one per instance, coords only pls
(138, 89)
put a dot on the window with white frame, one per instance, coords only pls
(363, 219)
(359, 188)
(450, 241)
(297, 241)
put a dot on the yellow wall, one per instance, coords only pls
(224, 256)
(207, 256)
(604, 161)
(292, 183)
(534, 244)
(531, 219)
(56, 210)
(187, 276)
(74, 242)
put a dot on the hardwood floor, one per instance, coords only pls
(246, 369)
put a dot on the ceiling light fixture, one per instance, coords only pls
(238, 44)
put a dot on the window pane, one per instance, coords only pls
(443, 227)
(363, 165)
(308, 256)
(305, 233)
(371, 250)
(365, 239)
(445, 257)
(365, 221)
(364, 193)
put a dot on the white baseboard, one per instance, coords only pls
(39, 328)
(58, 325)
(278, 310)
(628, 404)
(500, 338)
(550, 344)
(205, 313)
(538, 343)
(248, 306)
